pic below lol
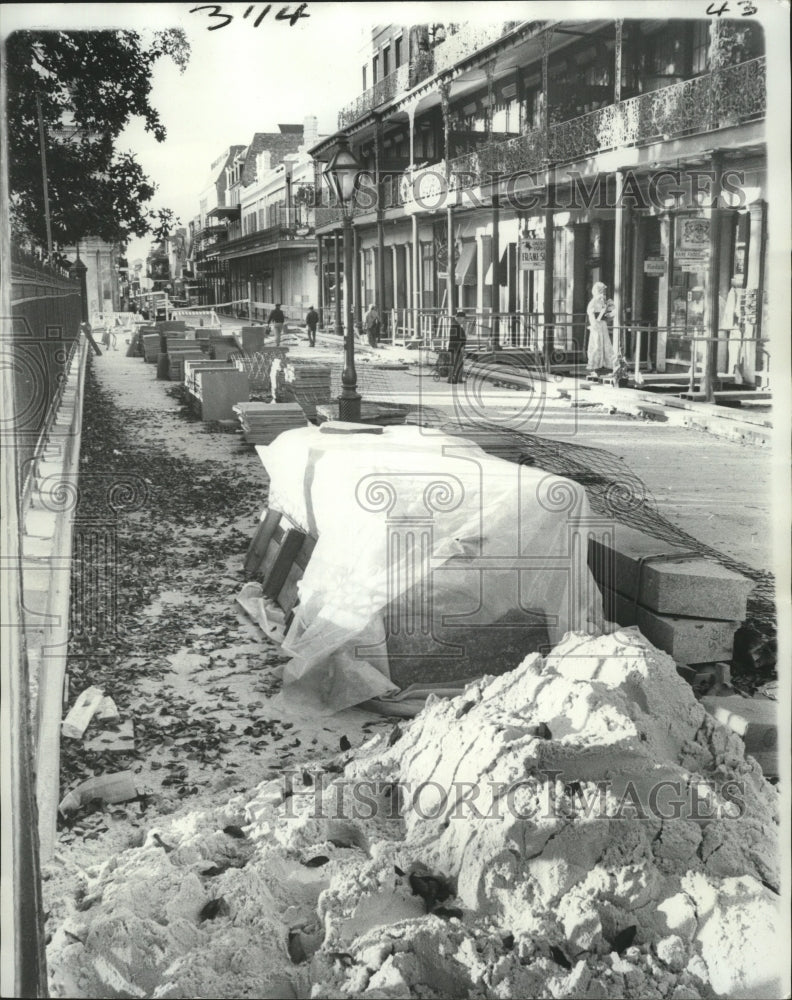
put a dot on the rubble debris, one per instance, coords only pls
(633, 853)
(107, 710)
(118, 787)
(81, 713)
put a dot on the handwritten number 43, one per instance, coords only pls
(748, 8)
(282, 15)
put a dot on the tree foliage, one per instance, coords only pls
(89, 86)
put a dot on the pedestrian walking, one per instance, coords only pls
(276, 320)
(457, 339)
(371, 324)
(311, 322)
(600, 349)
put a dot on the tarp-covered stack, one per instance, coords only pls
(433, 560)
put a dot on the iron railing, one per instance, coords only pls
(46, 311)
(468, 41)
(384, 90)
(727, 96)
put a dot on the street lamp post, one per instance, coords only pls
(342, 172)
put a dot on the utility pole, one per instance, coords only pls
(45, 182)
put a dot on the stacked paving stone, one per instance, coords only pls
(309, 384)
(684, 603)
(263, 422)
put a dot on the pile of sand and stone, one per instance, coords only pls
(578, 827)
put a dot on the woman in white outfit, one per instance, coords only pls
(600, 349)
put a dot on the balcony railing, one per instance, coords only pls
(467, 42)
(384, 90)
(728, 96)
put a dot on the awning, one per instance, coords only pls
(224, 212)
(464, 265)
(504, 262)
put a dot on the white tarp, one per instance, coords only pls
(416, 512)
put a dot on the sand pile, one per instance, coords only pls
(578, 827)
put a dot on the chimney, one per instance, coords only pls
(310, 130)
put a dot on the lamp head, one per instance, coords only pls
(342, 172)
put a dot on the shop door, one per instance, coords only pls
(689, 290)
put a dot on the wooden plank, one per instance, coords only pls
(260, 541)
(288, 596)
(305, 553)
(281, 564)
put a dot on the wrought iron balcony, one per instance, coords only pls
(467, 42)
(384, 90)
(728, 96)
(423, 185)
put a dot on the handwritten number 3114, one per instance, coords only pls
(282, 15)
(715, 10)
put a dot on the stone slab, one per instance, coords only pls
(693, 586)
(687, 640)
(220, 391)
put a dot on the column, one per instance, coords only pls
(357, 293)
(416, 277)
(549, 253)
(381, 304)
(378, 155)
(495, 266)
(408, 275)
(636, 310)
(753, 353)
(713, 310)
(450, 248)
(339, 328)
(617, 60)
(619, 242)
(546, 40)
(320, 272)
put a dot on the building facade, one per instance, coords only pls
(254, 239)
(507, 167)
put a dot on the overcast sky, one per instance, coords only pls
(241, 79)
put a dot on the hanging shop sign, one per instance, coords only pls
(691, 261)
(532, 254)
(694, 234)
(655, 266)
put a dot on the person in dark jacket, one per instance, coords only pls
(371, 324)
(311, 322)
(276, 320)
(456, 347)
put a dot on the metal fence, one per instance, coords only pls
(45, 314)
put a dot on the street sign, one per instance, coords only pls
(532, 254)
(655, 265)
